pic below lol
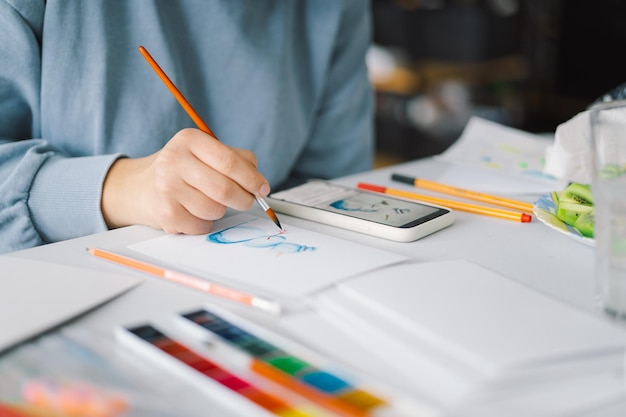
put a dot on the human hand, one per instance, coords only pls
(183, 187)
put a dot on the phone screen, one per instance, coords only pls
(360, 204)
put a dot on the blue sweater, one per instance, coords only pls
(285, 79)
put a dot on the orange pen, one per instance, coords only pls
(455, 205)
(461, 192)
(198, 121)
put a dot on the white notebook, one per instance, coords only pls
(36, 296)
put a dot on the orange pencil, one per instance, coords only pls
(460, 192)
(188, 280)
(198, 121)
(456, 205)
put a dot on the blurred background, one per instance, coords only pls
(529, 64)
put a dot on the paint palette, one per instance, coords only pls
(299, 375)
(259, 374)
(229, 387)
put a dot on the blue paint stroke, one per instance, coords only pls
(255, 237)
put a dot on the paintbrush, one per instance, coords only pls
(198, 121)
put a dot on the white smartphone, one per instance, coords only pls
(362, 211)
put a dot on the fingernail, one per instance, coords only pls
(265, 190)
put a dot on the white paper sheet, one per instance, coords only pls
(484, 181)
(502, 152)
(249, 250)
(36, 295)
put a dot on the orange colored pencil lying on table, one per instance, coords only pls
(188, 281)
(461, 192)
(455, 205)
(198, 121)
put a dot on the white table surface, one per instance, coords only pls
(530, 253)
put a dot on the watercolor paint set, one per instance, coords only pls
(213, 377)
(258, 372)
(289, 370)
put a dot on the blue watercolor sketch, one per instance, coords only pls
(255, 237)
(382, 207)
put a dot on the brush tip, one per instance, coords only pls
(274, 218)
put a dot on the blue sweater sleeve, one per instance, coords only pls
(286, 80)
(44, 196)
(344, 119)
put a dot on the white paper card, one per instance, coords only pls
(478, 317)
(36, 295)
(250, 250)
(501, 150)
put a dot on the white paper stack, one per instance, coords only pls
(468, 338)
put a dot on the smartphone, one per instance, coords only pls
(362, 211)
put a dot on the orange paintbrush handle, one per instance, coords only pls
(198, 121)
(176, 92)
